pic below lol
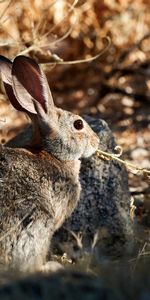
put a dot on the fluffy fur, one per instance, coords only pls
(40, 184)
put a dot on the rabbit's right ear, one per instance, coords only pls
(30, 86)
(5, 71)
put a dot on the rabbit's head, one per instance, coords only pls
(64, 134)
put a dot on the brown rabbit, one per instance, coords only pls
(39, 185)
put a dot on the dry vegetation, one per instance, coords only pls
(115, 87)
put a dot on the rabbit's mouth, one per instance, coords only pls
(91, 147)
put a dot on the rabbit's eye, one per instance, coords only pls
(78, 124)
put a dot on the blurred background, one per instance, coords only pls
(114, 87)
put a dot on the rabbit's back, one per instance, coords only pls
(36, 192)
(27, 175)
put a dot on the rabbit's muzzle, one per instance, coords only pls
(92, 146)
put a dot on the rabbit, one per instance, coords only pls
(104, 204)
(104, 207)
(39, 184)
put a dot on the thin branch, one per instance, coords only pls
(43, 13)
(5, 9)
(36, 47)
(27, 50)
(85, 60)
(71, 8)
(7, 43)
(113, 156)
(63, 37)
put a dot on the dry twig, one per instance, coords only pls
(132, 167)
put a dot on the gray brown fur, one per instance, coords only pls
(39, 185)
(39, 193)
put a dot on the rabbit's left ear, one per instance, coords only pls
(5, 71)
(30, 86)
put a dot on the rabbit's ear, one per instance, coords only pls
(5, 71)
(30, 86)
